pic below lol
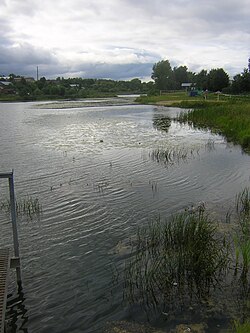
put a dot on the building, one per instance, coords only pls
(6, 88)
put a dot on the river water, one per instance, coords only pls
(98, 170)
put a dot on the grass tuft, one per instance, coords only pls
(27, 206)
(183, 257)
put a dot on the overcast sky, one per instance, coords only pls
(122, 39)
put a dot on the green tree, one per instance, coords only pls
(201, 79)
(163, 75)
(217, 79)
(180, 75)
(241, 82)
(135, 85)
(42, 83)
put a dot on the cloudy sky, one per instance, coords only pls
(122, 39)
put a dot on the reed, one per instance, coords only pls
(171, 155)
(181, 258)
(26, 206)
(241, 327)
(231, 119)
(242, 236)
(243, 203)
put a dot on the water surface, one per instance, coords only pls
(99, 173)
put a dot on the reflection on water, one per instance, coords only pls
(162, 123)
(92, 170)
(16, 315)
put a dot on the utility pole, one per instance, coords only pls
(37, 73)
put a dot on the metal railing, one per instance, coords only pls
(15, 262)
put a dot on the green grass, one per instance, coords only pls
(228, 115)
(187, 260)
(241, 328)
(230, 119)
(171, 155)
(181, 258)
(27, 206)
(182, 99)
(170, 97)
(242, 236)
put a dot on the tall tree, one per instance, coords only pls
(217, 79)
(163, 75)
(180, 76)
(201, 79)
(241, 82)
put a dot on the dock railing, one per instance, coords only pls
(15, 262)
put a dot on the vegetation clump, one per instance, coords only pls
(26, 206)
(179, 259)
(242, 236)
(231, 119)
(187, 262)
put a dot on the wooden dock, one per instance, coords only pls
(4, 274)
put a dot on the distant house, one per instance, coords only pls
(27, 79)
(187, 85)
(6, 88)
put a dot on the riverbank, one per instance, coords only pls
(225, 115)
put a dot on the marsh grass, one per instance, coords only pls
(242, 236)
(171, 155)
(26, 206)
(182, 99)
(231, 119)
(243, 203)
(177, 96)
(179, 259)
(241, 327)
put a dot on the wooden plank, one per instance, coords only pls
(4, 274)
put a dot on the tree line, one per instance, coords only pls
(168, 78)
(27, 88)
(163, 75)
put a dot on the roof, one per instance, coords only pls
(186, 84)
(5, 83)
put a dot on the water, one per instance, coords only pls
(98, 174)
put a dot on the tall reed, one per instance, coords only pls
(242, 236)
(231, 119)
(241, 327)
(182, 257)
(26, 206)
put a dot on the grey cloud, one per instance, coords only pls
(214, 33)
(23, 58)
(103, 70)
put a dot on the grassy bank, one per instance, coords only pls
(231, 119)
(182, 99)
(189, 264)
(226, 115)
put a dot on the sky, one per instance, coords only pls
(122, 39)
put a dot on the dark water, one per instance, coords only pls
(98, 173)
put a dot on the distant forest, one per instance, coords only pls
(165, 78)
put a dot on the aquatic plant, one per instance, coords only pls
(231, 119)
(241, 327)
(243, 203)
(162, 123)
(242, 236)
(26, 206)
(181, 258)
(170, 155)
